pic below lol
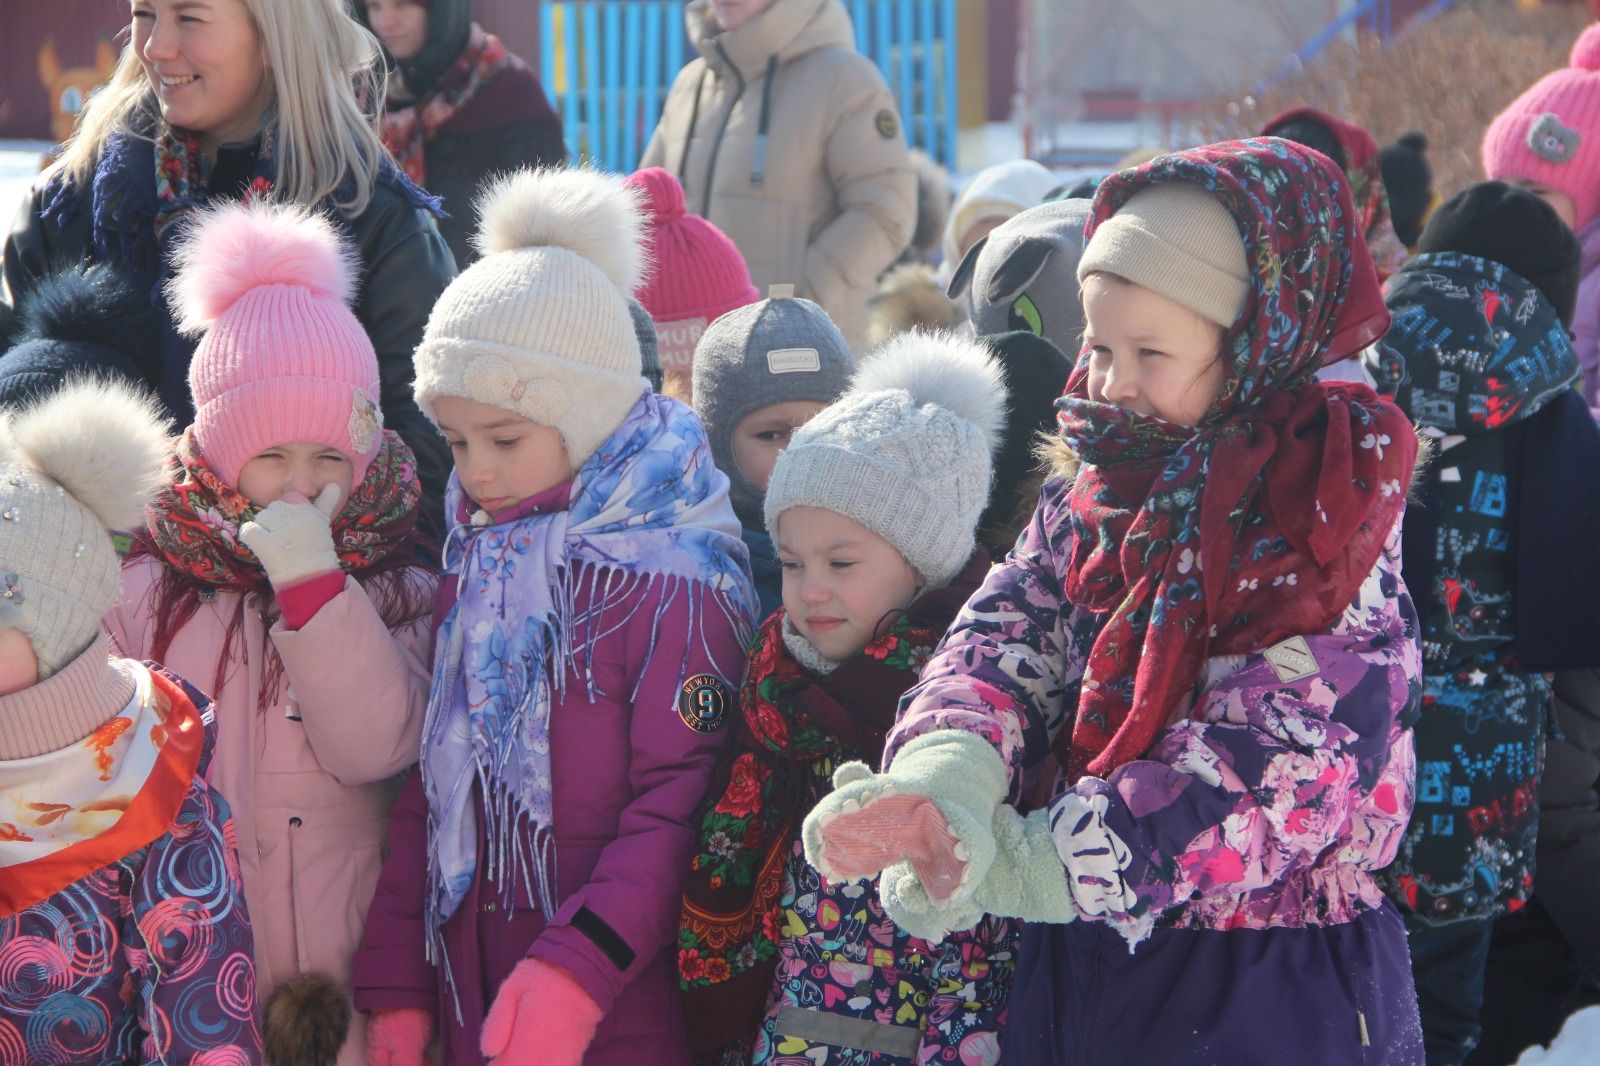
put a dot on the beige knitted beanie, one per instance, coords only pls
(76, 465)
(540, 325)
(1177, 240)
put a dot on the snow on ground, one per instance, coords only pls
(1578, 1043)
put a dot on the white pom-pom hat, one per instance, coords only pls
(85, 460)
(282, 359)
(540, 325)
(907, 451)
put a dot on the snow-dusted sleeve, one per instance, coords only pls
(1009, 667)
(1267, 774)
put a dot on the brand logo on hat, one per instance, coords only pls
(1553, 141)
(793, 361)
(676, 341)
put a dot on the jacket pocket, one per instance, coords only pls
(334, 870)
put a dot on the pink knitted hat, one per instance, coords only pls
(282, 360)
(699, 274)
(1551, 133)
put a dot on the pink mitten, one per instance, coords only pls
(399, 1037)
(541, 1017)
(896, 828)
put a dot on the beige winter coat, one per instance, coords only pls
(310, 777)
(827, 200)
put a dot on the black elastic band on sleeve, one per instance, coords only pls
(605, 938)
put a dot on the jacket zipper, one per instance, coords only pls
(716, 145)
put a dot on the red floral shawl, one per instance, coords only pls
(194, 525)
(1262, 522)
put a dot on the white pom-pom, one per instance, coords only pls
(951, 372)
(590, 214)
(234, 248)
(105, 442)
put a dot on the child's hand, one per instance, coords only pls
(896, 828)
(399, 1037)
(293, 538)
(1027, 880)
(540, 1017)
(932, 808)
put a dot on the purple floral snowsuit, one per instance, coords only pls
(1224, 883)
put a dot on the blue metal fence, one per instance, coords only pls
(608, 64)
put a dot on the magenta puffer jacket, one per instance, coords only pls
(628, 776)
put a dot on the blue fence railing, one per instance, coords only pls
(608, 65)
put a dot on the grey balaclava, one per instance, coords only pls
(774, 351)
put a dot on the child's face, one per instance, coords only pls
(501, 458)
(19, 667)
(297, 472)
(1554, 197)
(841, 581)
(1149, 354)
(763, 433)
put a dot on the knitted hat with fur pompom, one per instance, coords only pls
(540, 325)
(283, 359)
(77, 464)
(907, 451)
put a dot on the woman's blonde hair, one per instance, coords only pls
(327, 82)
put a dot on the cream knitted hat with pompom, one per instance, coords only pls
(74, 466)
(540, 325)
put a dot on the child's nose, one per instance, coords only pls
(813, 591)
(1122, 382)
(304, 482)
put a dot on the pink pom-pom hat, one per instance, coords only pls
(282, 358)
(1551, 133)
(699, 274)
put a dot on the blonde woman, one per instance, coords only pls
(217, 100)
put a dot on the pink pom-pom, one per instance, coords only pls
(232, 249)
(1586, 49)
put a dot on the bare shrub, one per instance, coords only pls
(1447, 78)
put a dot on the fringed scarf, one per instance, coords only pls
(408, 128)
(1260, 523)
(647, 510)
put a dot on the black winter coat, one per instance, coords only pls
(405, 265)
(507, 124)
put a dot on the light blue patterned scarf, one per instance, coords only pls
(648, 508)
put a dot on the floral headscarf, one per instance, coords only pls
(1260, 523)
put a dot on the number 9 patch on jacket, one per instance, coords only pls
(704, 703)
